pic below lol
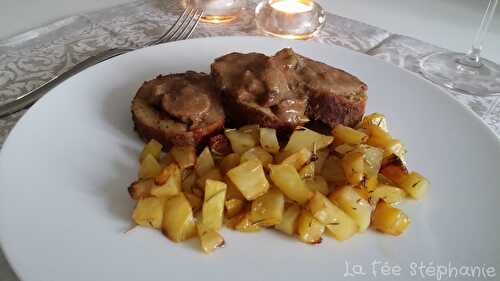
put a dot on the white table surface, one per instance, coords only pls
(446, 23)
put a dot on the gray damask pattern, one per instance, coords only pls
(32, 58)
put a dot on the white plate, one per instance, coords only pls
(65, 168)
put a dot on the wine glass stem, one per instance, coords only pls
(473, 58)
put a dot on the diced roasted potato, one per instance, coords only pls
(259, 154)
(354, 205)
(319, 160)
(394, 169)
(213, 204)
(152, 147)
(240, 142)
(189, 182)
(378, 137)
(337, 222)
(349, 135)
(245, 224)
(178, 221)
(332, 170)
(148, 212)
(309, 230)
(234, 207)
(228, 162)
(343, 149)
(415, 184)
(267, 210)
(288, 223)
(250, 179)
(149, 168)
(317, 183)
(269, 140)
(288, 180)
(185, 156)
(209, 238)
(307, 171)
(373, 157)
(363, 193)
(395, 147)
(213, 174)
(232, 191)
(168, 182)
(305, 138)
(390, 194)
(376, 119)
(298, 159)
(390, 220)
(194, 200)
(204, 163)
(140, 189)
(253, 130)
(353, 165)
(371, 183)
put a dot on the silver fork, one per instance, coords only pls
(180, 30)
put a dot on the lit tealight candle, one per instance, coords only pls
(292, 19)
(292, 6)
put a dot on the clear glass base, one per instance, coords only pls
(454, 71)
(291, 19)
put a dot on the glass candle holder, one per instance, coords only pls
(218, 11)
(291, 19)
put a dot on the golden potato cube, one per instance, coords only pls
(337, 222)
(376, 119)
(253, 130)
(390, 220)
(317, 183)
(308, 171)
(305, 138)
(415, 184)
(166, 160)
(148, 212)
(378, 137)
(232, 191)
(204, 162)
(140, 189)
(395, 147)
(209, 238)
(394, 169)
(213, 204)
(213, 174)
(267, 210)
(149, 168)
(194, 200)
(353, 165)
(185, 156)
(245, 224)
(332, 170)
(298, 159)
(371, 183)
(363, 193)
(349, 135)
(240, 142)
(259, 154)
(354, 205)
(343, 149)
(168, 182)
(390, 194)
(178, 221)
(233, 207)
(153, 147)
(269, 140)
(250, 179)
(309, 229)
(320, 159)
(373, 157)
(228, 162)
(288, 223)
(288, 180)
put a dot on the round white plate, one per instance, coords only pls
(65, 169)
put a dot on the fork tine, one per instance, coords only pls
(190, 30)
(173, 28)
(181, 27)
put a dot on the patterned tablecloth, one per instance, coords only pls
(31, 58)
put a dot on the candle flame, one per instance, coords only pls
(292, 6)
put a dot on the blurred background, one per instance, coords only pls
(446, 23)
